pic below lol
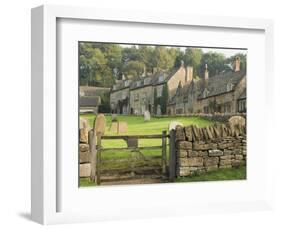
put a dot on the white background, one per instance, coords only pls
(139, 198)
(15, 113)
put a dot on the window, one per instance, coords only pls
(242, 106)
(143, 98)
(206, 109)
(127, 82)
(205, 93)
(136, 97)
(229, 86)
(161, 78)
(227, 107)
(146, 81)
(124, 95)
(159, 91)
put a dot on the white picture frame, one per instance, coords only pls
(45, 206)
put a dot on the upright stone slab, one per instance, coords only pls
(146, 116)
(83, 130)
(114, 117)
(196, 133)
(122, 127)
(237, 120)
(174, 124)
(188, 133)
(100, 124)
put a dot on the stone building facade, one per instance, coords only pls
(224, 93)
(119, 97)
(136, 97)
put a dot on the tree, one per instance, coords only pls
(164, 99)
(146, 57)
(134, 69)
(162, 60)
(215, 61)
(190, 57)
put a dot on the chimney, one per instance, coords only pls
(189, 73)
(237, 64)
(144, 72)
(206, 72)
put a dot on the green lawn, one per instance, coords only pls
(221, 174)
(86, 182)
(137, 126)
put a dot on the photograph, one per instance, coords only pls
(161, 113)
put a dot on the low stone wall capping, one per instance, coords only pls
(210, 148)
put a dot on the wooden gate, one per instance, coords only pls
(132, 164)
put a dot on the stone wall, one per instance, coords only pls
(210, 148)
(84, 150)
(84, 159)
(218, 117)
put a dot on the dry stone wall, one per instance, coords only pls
(84, 159)
(84, 150)
(210, 148)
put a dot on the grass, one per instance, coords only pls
(220, 174)
(86, 182)
(136, 126)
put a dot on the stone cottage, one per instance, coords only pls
(224, 93)
(135, 97)
(180, 93)
(119, 97)
(90, 98)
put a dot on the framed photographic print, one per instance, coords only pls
(140, 114)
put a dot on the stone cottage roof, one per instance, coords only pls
(219, 84)
(93, 91)
(89, 101)
(155, 79)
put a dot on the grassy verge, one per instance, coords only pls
(86, 182)
(221, 174)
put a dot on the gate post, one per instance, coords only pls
(172, 160)
(98, 166)
(93, 154)
(164, 152)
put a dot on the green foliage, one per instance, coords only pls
(220, 174)
(101, 64)
(86, 182)
(163, 58)
(134, 69)
(156, 101)
(164, 99)
(104, 107)
(216, 63)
